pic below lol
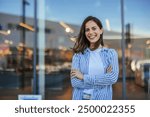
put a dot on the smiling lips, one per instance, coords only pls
(91, 37)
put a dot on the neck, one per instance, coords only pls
(92, 46)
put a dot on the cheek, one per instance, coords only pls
(98, 36)
(86, 34)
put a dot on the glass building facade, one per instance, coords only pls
(36, 37)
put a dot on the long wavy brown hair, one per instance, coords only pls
(82, 42)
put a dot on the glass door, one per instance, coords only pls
(16, 48)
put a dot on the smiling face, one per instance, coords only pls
(92, 32)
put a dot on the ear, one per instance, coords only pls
(101, 31)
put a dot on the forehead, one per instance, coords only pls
(90, 23)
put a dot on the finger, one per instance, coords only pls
(73, 74)
(109, 69)
(109, 66)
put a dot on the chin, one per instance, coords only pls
(93, 42)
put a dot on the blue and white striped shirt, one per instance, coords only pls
(102, 83)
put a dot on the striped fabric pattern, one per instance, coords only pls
(102, 83)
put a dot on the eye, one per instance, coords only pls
(86, 29)
(93, 28)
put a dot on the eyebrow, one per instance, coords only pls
(91, 27)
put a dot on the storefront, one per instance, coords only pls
(36, 37)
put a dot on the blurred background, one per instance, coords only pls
(36, 37)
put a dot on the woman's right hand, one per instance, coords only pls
(76, 73)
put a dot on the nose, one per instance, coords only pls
(90, 32)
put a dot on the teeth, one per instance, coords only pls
(91, 37)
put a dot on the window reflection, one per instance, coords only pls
(61, 30)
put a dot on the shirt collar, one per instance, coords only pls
(103, 49)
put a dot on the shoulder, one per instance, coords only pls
(110, 51)
(80, 54)
(76, 56)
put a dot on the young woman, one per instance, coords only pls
(94, 67)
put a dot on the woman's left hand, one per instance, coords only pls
(109, 69)
(76, 73)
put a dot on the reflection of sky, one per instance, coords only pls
(74, 11)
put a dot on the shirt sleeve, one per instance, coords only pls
(75, 82)
(106, 78)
